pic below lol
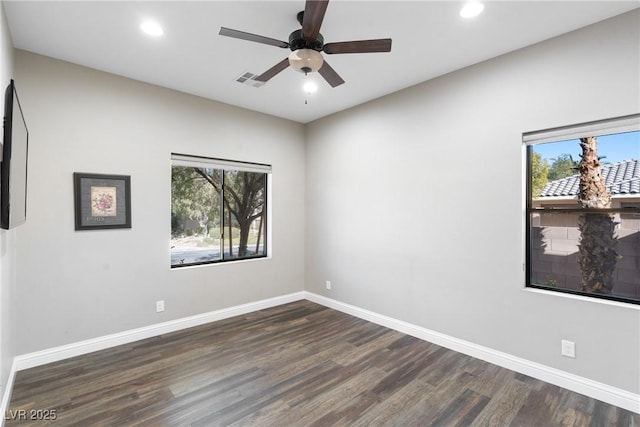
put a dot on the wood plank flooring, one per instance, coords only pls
(298, 364)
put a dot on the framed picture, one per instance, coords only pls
(102, 201)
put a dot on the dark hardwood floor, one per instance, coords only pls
(298, 364)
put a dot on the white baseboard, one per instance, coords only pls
(612, 395)
(55, 354)
(596, 390)
(6, 395)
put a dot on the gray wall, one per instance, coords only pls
(415, 201)
(76, 285)
(7, 237)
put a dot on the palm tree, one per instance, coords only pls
(597, 256)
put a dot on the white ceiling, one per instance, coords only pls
(429, 39)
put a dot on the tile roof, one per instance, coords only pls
(620, 178)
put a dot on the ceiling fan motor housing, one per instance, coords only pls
(296, 41)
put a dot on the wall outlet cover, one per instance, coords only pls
(569, 349)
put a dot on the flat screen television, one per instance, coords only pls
(13, 169)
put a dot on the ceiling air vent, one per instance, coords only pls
(249, 79)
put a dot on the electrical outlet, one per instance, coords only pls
(569, 349)
(328, 284)
(159, 306)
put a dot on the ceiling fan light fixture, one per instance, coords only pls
(305, 60)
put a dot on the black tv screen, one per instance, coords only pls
(13, 169)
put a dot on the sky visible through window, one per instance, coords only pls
(616, 148)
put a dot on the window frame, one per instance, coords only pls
(630, 123)
(223, 165)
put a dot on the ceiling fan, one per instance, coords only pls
(307, 43)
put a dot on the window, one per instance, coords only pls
(583, 209)
(218, 210)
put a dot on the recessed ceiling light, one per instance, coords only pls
(310, 87)
(151, 28)
(471, 9)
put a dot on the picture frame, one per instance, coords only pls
(101, 201)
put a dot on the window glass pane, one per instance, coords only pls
(218, 210)
(556, 261)
(195, 215)
(584, 216)
(244, 214)
(554, 168)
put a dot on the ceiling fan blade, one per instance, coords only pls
(312, 19)
(267, 75)
(359, 46)
(252, 37)
(330, 75)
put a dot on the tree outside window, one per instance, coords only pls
(218, 213)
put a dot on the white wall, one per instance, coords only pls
(7, 237)
(415, 201)
(76, 285)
